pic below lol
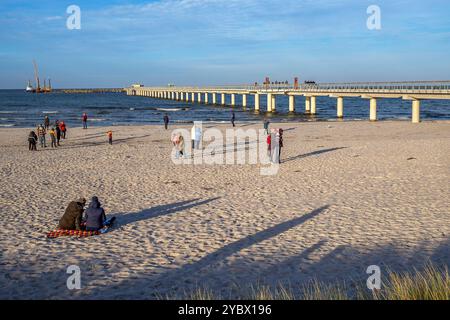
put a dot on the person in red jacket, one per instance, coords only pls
(63, 128)
(269, 145)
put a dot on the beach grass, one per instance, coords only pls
(431, 283)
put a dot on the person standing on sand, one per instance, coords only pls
(233, 118)
(32, 140)
(53, 137)
(71, 220)
(84, 118)
(269, 146)
(280, 143)
(110, 137)
(266, 125)
(166, 121)
(58, 132)
(41, 134)
(63, 128)
(46, 122)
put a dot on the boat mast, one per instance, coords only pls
(36, 75)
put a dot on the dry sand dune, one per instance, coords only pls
(348, 195)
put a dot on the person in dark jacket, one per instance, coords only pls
(71, 220)
(32, 141)
(233, 118)
(58, 133)
(94, 216)
(166, 121)
(46, 122)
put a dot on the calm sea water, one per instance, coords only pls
(21, 109)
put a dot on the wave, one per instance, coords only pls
(50, 112)
(7, 112)
(96, 119)
(7, 125)
(171, 109)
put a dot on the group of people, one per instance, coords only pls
(76, 218)
(274, 142)
(56, 132)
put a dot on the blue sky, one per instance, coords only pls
(206, 42)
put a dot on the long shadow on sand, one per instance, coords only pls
(154, 212)
(314, 153)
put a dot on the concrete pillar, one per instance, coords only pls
(340, 107)
(177, 96)
(193, 97)
(308, 104)
(257, 106)
(274, 103)
(214, 97)
(313, 105)
(233, 99)
(292, 103)
(269, 102)
(206, 98)
(199, 96)
(181, 96)
(244, 100)
(223, 99)
(373, 109)
(416, 111)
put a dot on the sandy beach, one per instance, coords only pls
(348, 195)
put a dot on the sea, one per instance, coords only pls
(21, 109)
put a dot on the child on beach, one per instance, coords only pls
(52, 133)
(110, 137)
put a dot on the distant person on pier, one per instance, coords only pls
(41, 134)
(32, 141)
(46, 122)
(52, 133)
(233, 118)
(84, 118)
(58, 132)
(63, 128)
(110, 134)
(166, 121)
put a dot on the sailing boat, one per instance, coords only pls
(29, 87)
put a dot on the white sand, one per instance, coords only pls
(326, 215)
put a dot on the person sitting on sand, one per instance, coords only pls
(71, 220)
(94, 216)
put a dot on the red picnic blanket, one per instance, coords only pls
(75, 233)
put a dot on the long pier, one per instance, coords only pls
(414, 91)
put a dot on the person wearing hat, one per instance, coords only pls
(71, 220)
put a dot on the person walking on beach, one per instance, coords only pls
(52, 133)
(32, 140)
(178, 143)
(280, 143)
(84, 118)
(63, 128)
(41, 134)
(110, 134)
(71, 220)
(46, 122)
(269, 146)
(58, 132)
(233, 118)
(166, 121)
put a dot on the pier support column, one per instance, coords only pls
(244, 100)
(307, 104)
(177, 96)
(313, 105)
(373, 109)
(214, 98)
(199, 97)
(181, 96)
(206, 98)
(269, 102)
(257, 101)
(292, 103)
(223, 99)
(274, 103)
(340, 107)
(233, 99)
(193, 97)
(416, 111)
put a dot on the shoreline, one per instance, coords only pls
(246, 123)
